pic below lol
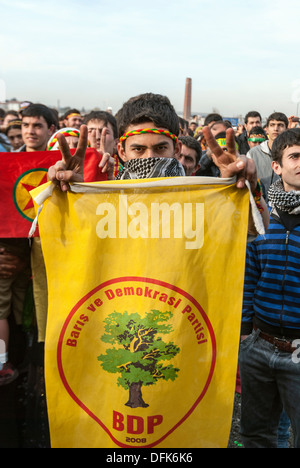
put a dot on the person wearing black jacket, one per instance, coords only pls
(252, 119)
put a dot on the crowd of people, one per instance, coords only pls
(146, 138)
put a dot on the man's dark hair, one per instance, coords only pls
(40, 110)
(2, 113)
(290, 137)
(70, 111)
(148, 107)
(107, 117)
(212, 118)
(192, 143)
(280, 117)
(252, 114)
(257, 131)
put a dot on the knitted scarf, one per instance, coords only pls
(147, 168)
(285, 201)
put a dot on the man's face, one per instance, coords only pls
(35, 133)
(290, 168)
(97, 126)
(148, 145)
(187, 159)
(252, 122)
(74, 121)
(15, 138)
(274, 128)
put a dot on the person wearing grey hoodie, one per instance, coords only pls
(261, 154)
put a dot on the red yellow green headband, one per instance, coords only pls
(149, 130)
(53, 143)
(14, 122)
(66, 132)
(73, 115)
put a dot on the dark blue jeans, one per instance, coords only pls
(270, 380)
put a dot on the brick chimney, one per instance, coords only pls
(187, 99)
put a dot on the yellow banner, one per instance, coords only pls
(145, 284)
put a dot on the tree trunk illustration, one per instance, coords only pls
(135, 396)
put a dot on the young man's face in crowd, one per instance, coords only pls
(97, 126)
(148, 145)
(274, 128)
(289, 170)
(35, 133)
(15, 138)
(74, 122)
(187, 159)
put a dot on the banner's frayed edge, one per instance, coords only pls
(39, 200)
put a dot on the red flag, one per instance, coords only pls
(22, 172)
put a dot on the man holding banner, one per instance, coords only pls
(130, 118)
(113, 302)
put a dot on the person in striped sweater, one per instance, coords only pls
(269, 357)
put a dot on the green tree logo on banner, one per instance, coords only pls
(140, 353)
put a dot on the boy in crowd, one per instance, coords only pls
(261, 154)
(269, 361)
(38, 124)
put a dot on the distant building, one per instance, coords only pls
(11, 104)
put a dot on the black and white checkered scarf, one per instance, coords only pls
(149, 168)
(284, 201)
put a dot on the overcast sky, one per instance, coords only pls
(241, 55)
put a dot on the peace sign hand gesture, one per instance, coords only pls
(70, 168)
(107, 162)
(230, 162)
